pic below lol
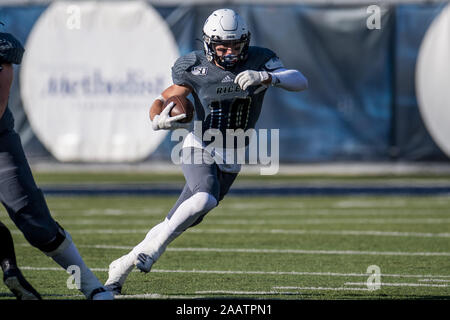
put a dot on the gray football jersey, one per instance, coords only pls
(219, 102)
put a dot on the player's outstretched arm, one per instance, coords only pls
(291, 80)
(160, 117)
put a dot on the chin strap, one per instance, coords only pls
(228, 61)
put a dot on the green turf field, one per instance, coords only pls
(258, 247)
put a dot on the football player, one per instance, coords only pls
(24, 201)
(228, 80)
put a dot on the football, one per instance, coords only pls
(182, 105)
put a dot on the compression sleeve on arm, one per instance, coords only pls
(291, 80)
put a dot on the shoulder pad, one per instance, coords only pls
(260, 55)
(273, 64)
(184, 63)
(262, 52)
(11, 50)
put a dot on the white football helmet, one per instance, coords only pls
(224, 26)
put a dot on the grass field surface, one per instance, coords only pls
(296, 247)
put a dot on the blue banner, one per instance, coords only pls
(360, 105)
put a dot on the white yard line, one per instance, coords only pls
(151, 221)
(271, 231)
(322, 288)
(299, 273)
(262, 205)
(110, 231)
(325, 232)
(293, 251)
(366, 203)
(154, 296)
(337, 212)
(225, 212)
(302, 221)
(298, 251)
(433, 280)
(238, 272)
(276, 292)
(245, 292)
(386, 284)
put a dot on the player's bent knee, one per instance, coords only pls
(191, 210)
(204, 202)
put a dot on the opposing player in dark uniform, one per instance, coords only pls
(25, 202)
(228, 80)
(12, 276)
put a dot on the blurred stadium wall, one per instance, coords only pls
(361, 105)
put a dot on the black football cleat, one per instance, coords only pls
(115, 288)
(19, 286)
(101, 293)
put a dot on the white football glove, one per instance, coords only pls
(166, 122)
(252, 78)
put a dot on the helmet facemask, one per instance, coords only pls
(230, 60)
